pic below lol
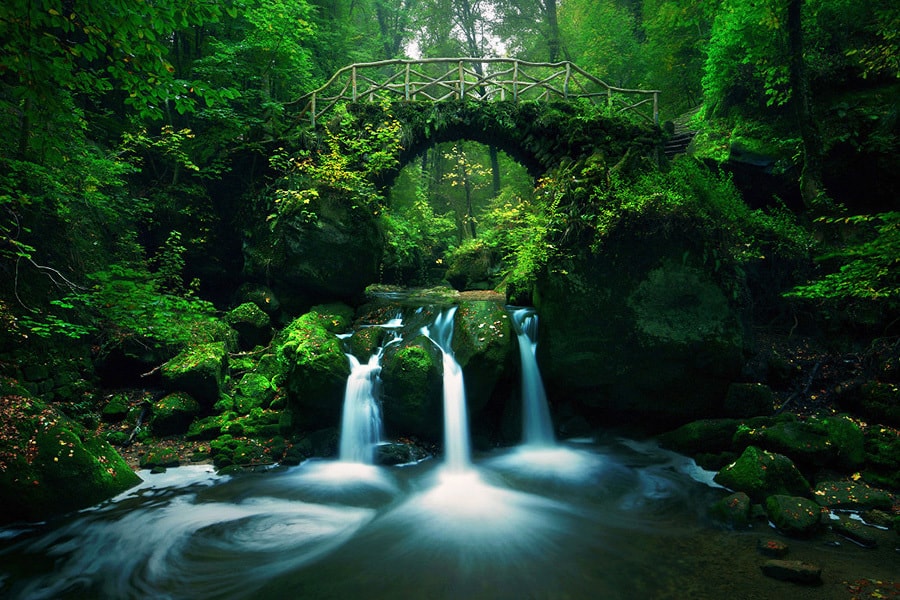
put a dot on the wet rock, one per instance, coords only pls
(772, 548)
(733, 510)
(850, 495)
(315, 369)
(835, 441)
(793, 570)
(159, 457)
(761, 474)
(483, 347)
(398, 453)
(794, 516)
(198, 370)
(412, 377)
(855, 532)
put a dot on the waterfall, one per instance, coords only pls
(456, 427)
(537, 427)
(361, 427)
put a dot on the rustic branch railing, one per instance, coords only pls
(479, 78)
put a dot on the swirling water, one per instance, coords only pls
(512, 525)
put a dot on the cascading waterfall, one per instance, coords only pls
(361, 427)
(456, 426)
(537, 427)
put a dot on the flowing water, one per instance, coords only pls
(608, 518)
(537, 427)
(457, 454)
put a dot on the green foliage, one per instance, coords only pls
(869, 265)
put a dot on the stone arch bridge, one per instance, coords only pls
(538, 113)
(320, 242)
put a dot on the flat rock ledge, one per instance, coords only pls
(793, 570)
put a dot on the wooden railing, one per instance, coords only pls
(482, 79)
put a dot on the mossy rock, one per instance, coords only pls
(199, 371)
(412, 378)
(159, 456)
(117, 438)
(733, 510)
(207, 428)
(794, 516)
(51, 465)
(749, 400)
(251, 323)
(336, 316)
(701, 436)
(315, 370)
(483, 346)
(173, 414)
(116, 409)
(851, 495)
(365, 341)
(254, 390)
(882, 447)
(761, 474)
(228, 450)
(881, 402)
(833, 441)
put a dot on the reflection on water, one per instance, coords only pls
(555, 522)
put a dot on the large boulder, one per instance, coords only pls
(761, 474)
(815, 442)
(645, 327)
(50, 465)
(173, 414)
(315, 370)
(412, 378)
(326, 248)
(199, 371)
(793, 515)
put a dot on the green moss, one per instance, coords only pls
(335, 317)
(851, 495)
(247, 313)
(882, 446)
(761, 474)
(794, 516)
(174, 413)
(116, 409)
(733, 510)
(199, 370)
(881, 401)
(228, 450)
(702, 436)
(412, 380)
(834, 441)
(159, 456)
(50, 465)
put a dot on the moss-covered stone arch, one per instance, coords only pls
(538, 135)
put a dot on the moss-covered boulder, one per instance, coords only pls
(701, 436)
(159, 456)
(816, 442)
(761, 474)
(50, 465)
(732, 510)
(173, 414)
(254, 390)
(794, 516)
(881, 402)
(199, 370)
(251, 323)
(228, 450)
(412, 378)
(484, 348)
(851, 495)
(646, 328)
(749, 400)
(116, 409)
(333, 254)
(315, 370)
(882, 446)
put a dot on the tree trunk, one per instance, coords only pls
(553, 43)
(811, 187)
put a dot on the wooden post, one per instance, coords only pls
(609, 97)
(656, 108)
(516, 81)
(462, 81)
(313, 105)
(406, 83)
(353, 82)
(568, 76)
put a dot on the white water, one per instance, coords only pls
(361, 422)
(537, 427)
(361, 425)
(456, 427)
